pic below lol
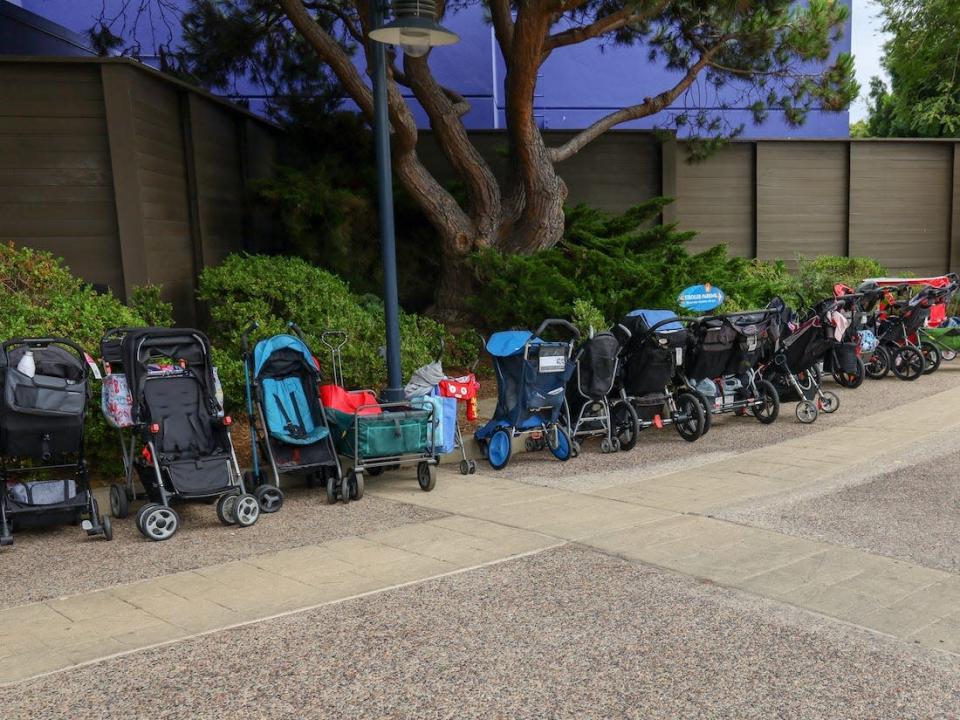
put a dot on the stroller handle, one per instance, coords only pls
(296, 329)
(42, 342)
(565, 324)
(245, 336)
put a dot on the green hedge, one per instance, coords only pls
(274, 290)
(42, 298)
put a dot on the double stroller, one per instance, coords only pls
(800, 350)
(532, 374)
(653, 350)
(722, 363)
(162, 388)
(42, 466)
(288, 423)
(591, 412)
(375, 435)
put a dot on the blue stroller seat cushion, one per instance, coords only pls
(289, 416)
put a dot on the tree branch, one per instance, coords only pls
(502, 25)
(607, 23)
(649, 106)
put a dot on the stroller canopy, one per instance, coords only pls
(649, 318)
(507, 343)
(265, 349)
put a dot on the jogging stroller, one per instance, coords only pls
(288, 422)
(532, 374)
(42, 463)
(590, 410)
(375, 435)
(168, 398)
(653, 350)
(723, 359)
(794, 369)
(901, 332)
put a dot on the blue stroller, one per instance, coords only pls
(288, 422)
(532, 374)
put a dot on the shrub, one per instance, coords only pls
(588, 318)
(42, 298)
(147, 303)
(817, 276)
(274, 290)
(614, 263)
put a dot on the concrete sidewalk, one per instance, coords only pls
(664, 521)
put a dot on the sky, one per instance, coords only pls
(867, 50)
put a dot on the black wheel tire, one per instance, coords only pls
(473, 467)
(689, 406)
(119, 505)
(807, 412)
(160, 523)
(356, 485)
(908, 364)
(830, 402)
(107, 531)
(707, 411)
(931, 357)
(331, 490)
(770, 410)
(426, 476)
(345, 488)
(530, 445)
(464, 467)
(855, 379)
(128, 491)
(270, 498)
(626, 425)
(878, 367)
(227, 509)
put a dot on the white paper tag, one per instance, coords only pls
(94, 368)
(678, 352)
(552, 363)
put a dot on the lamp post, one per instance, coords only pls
(415, 29)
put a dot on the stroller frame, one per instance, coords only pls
(268, 492)
(70, 509)
(157, 520)
(351, 484)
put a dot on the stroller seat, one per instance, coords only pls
(289, 417)
(186, 430)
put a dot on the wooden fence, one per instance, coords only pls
(130, 176)
(894, 200)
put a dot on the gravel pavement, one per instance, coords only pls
(33, 568)
(568, 633)
(663, 451)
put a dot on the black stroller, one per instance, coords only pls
(795, 370)
(187, 452)
(653, 346)
(590, 411)
(42, 463)
(721, 365)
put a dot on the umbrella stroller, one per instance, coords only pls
(531, 376)
(169, 398)
(590, 411)
(287, 417)
(42, 467)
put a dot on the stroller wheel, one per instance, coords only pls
(768, 403)
(159, 523)
(141, 512)
(345, 488)
(574, 449)
(107, 528)
(530, 445)
(830, 402)
(331, 490)
(807, 412)
(227, 509)
(907, 363)
(269, 497)
(119, 505)
(931, 357)
(561, 447)
(426, 476)
(689, 421)
(499, 449)
(464, 467)
(878, 365)
(247, 510)
(473, 467)
(616, 445)
(356, 485)
(606, 446)
(626, 426)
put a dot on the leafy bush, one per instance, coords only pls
(587, 317)
(614, 263)
(274, 290)
(147, 303)
(42, 298)
(817, 276)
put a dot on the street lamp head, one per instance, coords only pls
(414, 28)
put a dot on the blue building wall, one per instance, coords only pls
(578, 84)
